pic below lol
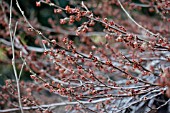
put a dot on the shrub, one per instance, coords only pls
(93, 56)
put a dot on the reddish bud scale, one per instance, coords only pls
(93, 79)
(77, 98)
(63, 21)
(105, 20)
(83, 78)
(53, 42)
(30, 29)
(72, 17)
(135, 80)
(94, 92)
(164, 44)
(45, 52)
(74, 51)
(107, 46)
(38, 4)
(33, 76)
(90, 55)
(58, 85)
(91, 23)
(119, 39)
(93, 47)
(79, 67)
(129, 37)
(107, 36)
(108, 62)
(71, 21)
(57, 11)
(135, 65)
(68, 47)
(168, 59)
(44, 42)
(160, 41)
(90, 100)
(95, 59)
(135, 44)
(67, 8)
(53, 82)
(64, 40)
(61, 70)
(128, 82)
(85, 29)
(71, 42)
(47, 85)
(111, 23)
(36, 79)
(63, 52)
(107, 102)
(106, 26)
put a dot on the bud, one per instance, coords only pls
(38, 4)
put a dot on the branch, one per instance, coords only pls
(140, 26)
(13, 58)
(54, 105)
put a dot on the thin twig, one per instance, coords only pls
(163, 104)
(13, 60)
(22, 67)
(140, 26)
(55, 105)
